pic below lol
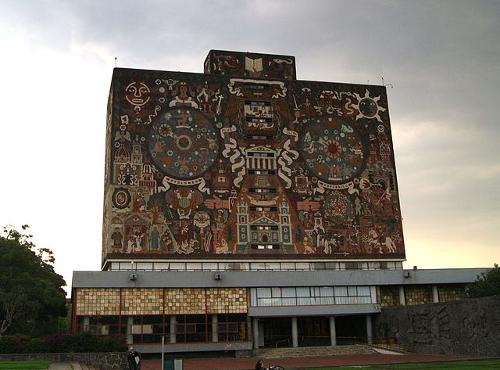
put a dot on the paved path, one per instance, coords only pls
(60, 366)
(72, 366)
(302, 362)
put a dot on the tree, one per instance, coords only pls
(486, 284)
(31, 294)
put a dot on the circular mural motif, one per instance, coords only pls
(368, 107)
(121, 198)
(338, 208)
(332, 149)
(183, 143)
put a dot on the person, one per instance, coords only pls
(259, 365)
(134, 359)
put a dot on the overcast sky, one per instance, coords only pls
(442, 57)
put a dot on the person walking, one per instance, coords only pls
(134, 359)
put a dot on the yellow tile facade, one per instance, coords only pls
(449, 293)
(137, 301)
(92, 302)
(389, 296)
(188, 301)
(232, 300)
(418, 294)
(168, 301)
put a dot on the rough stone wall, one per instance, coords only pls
(103, 361)
(468, 327)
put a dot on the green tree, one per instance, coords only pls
(486, 284)
(31, 295)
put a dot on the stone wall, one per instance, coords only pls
(468, 327)
(104, 361)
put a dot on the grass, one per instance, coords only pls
(24, 365)
(457, 365)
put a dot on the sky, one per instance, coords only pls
(440, 60)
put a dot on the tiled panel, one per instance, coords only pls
(92, 302)
(389, 296)
(184, 301)
(418, 294)
(231, 300)
(448, 293)
(142, 301)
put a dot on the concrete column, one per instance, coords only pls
(255, 332)
(249, 328)
(402, 299)
(130, 323)
(295, 333)
(369, 331)
(333, 331)
(173, 332)
(86, 324)
(215, 329)
(435, 294)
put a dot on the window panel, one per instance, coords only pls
(363, 291)
(263, 292)
(340, 291)
(303, 292)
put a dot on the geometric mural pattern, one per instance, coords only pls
(245, 160)
(168, 301)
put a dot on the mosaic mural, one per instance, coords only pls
(246, 160)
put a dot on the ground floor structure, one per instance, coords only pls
(192, 311)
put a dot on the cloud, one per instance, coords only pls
(442, 58)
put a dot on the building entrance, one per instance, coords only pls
(277, 332)
(313, 331)
(351, 329)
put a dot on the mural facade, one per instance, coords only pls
(245, 160)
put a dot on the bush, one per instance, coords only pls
(486, 284)
(63, 343)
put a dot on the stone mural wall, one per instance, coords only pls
(469, 327)
(261, 165)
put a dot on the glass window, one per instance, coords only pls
(276, 292)
(147, 266)
(287, 266)
(160, 266)
(176, 266)
(303, 292)
(326, 291)
(193, 266)
(363, 291)
(288, 292)
(209, 266)
(340, 291)
(351, 291)
(273, 266)
(263, 292)
(302, 266)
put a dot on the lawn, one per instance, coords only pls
(24, 365)
(457, 365)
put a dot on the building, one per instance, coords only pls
(244, 208)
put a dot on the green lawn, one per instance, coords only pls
(24, 365)
(457, 365)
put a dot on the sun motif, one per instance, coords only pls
(368, 107)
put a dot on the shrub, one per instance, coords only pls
(61, 343)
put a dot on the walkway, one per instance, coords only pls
(301, 363)
(72, 366)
